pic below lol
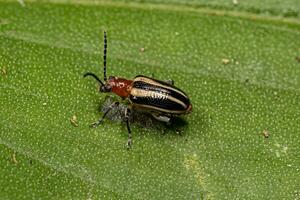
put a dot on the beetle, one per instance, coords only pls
(161, 99)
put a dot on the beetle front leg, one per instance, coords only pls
(97, 123)
(127, 117)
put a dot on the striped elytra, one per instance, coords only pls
(151, 94)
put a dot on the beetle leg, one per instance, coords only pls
(162, 118)
(127, 115)
(97, 123)
(170, 81)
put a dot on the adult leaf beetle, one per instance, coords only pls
(159, 98)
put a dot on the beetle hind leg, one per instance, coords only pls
(97, 123)
(170, 81)
(162, 118)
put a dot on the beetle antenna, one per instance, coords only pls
(93, 75)
(104, 55)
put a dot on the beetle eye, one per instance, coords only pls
(108, 88)
(102, 88)
(105, 88)
(111, 77)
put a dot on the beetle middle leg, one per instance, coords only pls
(97, 123)
(127, 117)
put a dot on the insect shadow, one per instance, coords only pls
(143, 119)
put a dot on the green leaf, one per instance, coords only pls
(287, 8)
(240, 72)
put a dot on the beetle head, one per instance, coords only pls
(107, 87)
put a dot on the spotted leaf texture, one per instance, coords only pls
(238, 67)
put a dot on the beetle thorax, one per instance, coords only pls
(120, 86)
